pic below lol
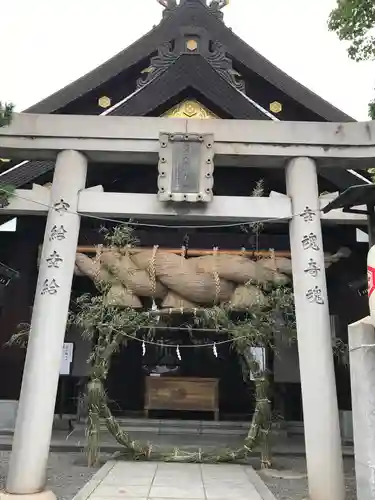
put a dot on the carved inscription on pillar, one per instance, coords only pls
(310, 241)
(49, 286)
(310, 244)
(312, 269)
(57, 233)
(61, 206)
(54, 259)
(308, 215)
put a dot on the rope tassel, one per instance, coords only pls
(178, 353)
(214, 349)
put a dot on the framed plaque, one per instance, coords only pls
(186, 166)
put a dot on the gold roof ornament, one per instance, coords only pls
(192, 45)
(276, 107)
(147, 70)
(104, 102)
(190, 109)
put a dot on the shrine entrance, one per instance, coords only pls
(225, 393)
(298, 147)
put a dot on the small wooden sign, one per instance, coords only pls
(182, 394)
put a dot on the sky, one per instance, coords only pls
(47, 44)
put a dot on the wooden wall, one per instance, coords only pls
(19, 251)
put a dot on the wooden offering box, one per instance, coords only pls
(182, 394)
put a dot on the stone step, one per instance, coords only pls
(176, 427)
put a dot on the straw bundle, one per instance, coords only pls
(238, 269)
(278, 264)
(247, 297)
(182, 277)
(93, 269)
(136, 280)
(118, 295)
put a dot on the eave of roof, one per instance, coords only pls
(165, 31)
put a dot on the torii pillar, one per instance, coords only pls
(319, 397)
(32, 436)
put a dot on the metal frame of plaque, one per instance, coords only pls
(186, 168)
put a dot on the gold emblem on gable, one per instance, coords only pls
(190, 108)
(276, 107)
(192, 45)
(104, 102)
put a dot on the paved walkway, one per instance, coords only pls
(161, 481)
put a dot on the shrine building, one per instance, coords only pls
(190, 66)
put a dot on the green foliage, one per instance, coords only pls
(6, 193)
(7, 189)
(371, 109)
(354, 22)
(258, 192)
(371, 171)
(20, 338)
(110, 327)
(6, 112)
(120, 236)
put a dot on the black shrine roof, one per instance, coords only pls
(223, 98)
(191, 14)
(148, 77)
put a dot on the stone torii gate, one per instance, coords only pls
(73, 141)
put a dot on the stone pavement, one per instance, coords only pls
(162, 481)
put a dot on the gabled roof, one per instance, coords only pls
(192, 13)
(173, 69)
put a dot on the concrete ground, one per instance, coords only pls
(296, 488)
(68, 474)
(175, 481)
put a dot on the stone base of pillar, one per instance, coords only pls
(43, 495)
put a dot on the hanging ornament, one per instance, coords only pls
(154, 308)
(214, 350)
(143, 348)
(178, 353)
